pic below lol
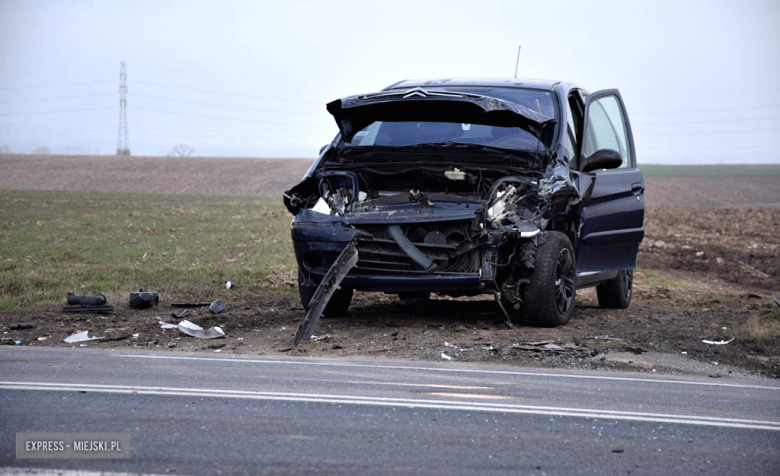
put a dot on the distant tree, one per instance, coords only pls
(43, 150)
(6, 149)
(181, 150)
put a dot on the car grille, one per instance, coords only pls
(382, 256)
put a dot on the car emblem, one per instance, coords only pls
(416, 92)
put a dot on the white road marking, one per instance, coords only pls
(8, 471)
(469, 395)
(445, 369)
(401, 402)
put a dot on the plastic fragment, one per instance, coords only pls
(217, 306)
(717, 342)
(195, 330)
(82, 336)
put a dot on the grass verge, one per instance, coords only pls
(114, 243)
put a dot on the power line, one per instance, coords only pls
(716, 109)
(204, 103)
(228, 118)
(153, 134)
(713, 133)
(56, 85)
(54, 112)
(707, 121)
(225, 93)
(59, 97)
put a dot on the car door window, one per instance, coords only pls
(607, 129)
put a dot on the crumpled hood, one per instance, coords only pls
(354, 113)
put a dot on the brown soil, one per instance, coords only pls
(720, 191)
(270, 177)
(184, 175)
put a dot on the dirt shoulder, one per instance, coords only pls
(662, 331)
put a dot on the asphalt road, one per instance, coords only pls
(210, 414)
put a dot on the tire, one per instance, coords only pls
(550, 295)
(338, 304)
(616, 293)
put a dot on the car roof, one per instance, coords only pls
(547, 84)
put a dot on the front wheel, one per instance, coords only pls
(338, 304)
(616, 293)
(551, 291)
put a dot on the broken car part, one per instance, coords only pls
(717, 342)
(22, 326)
(412, 251)
(144, 300)
(95, 309)
(82, 336)
(346, 260)
(96, 300)
(195, 330)
(190, 304)
(217, 306)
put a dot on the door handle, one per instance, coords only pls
(637, 188)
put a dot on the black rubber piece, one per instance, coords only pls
(551, 276)
(190, 304)
(97, 309)
(423, 260)
(96, 300)
(144, 300)
(616, 293)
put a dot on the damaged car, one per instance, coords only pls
(526, 190)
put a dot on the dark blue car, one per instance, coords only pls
(524, 189)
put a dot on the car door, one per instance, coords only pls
(613, 215)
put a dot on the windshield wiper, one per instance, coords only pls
(450, 143)
(469, 145)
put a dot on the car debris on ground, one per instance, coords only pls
(22, 326)
(82, 336)
(95, 309)
(144, 299)
(96, 300)
(217, 306)
(94, 304)
(191, 304)
(194, 330)
(345, 261)
(717, 342)
(543, 346)
(446, 357)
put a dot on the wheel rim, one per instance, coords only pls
(564, 281)
(628, 281)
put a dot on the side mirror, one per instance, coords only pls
(602, 159)
(323, 148)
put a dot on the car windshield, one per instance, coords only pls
(415, 133)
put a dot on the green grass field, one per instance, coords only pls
(702, 170)
(184, 247)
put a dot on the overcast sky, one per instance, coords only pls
(699, 78)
